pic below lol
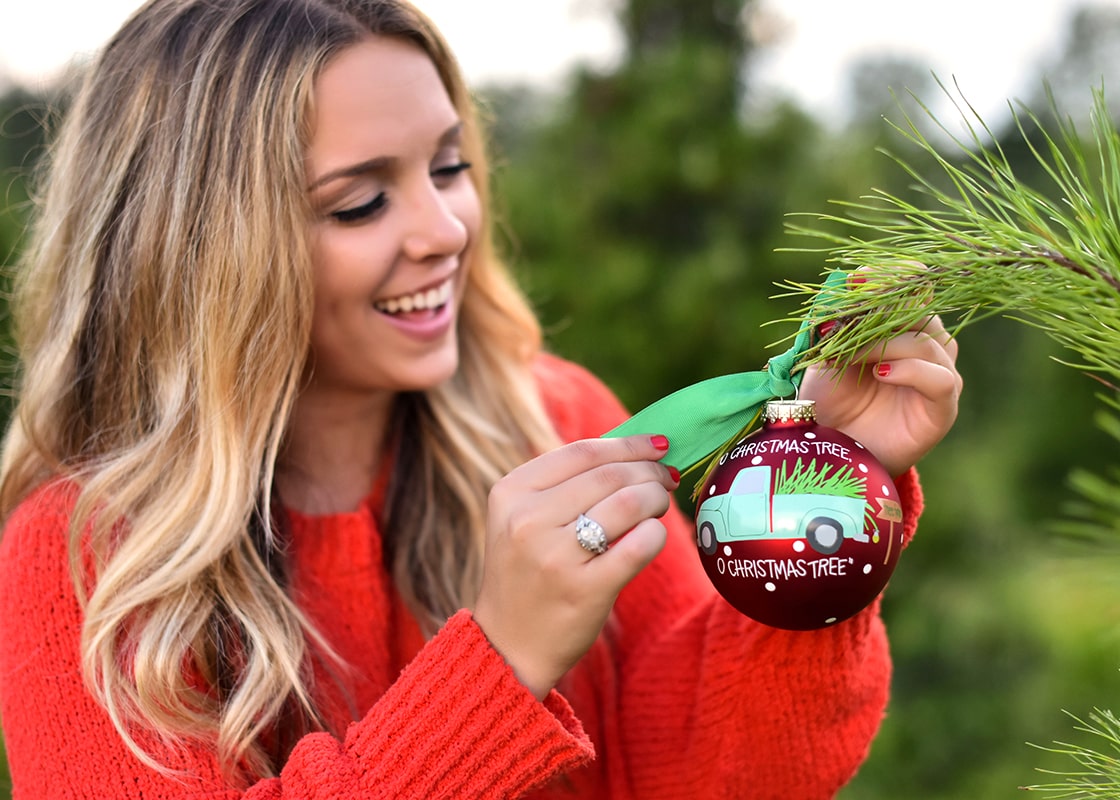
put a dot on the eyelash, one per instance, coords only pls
(452, 170)
(361, 212)
(366, 210)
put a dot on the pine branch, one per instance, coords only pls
(989, 245)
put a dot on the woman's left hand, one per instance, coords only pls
(898, 401)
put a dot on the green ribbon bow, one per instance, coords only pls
(706, 417)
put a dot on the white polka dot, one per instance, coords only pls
(886, 491)
(770, 587)
(830, 620)
(810, 435)
(727, 550)
(798, 545)
(712, 489)
(756, 460)
(863, 468)
(866, 569)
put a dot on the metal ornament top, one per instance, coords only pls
(779, 411)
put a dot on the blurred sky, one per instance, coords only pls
(989, 46)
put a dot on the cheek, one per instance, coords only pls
(469, 212)
(345, 261)
(468, 208)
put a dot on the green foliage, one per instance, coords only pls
(1094, 514)
(644, 198)
(24, 122)
(23, 126)
(807, 479)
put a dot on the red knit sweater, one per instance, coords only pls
(681, 697)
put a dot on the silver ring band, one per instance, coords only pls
(590, 535)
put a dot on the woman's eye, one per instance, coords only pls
(451, 170)
(364, 211)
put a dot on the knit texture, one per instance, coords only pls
(680, 697)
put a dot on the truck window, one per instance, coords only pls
(751, 480)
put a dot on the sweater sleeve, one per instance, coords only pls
(709, 703)
(425, 738)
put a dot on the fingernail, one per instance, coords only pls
(884, 370)
(675, 474)
(825, 328)
(660, 442)
(855, 279)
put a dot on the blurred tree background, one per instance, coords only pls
(644, 206)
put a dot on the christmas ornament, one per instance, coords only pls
(798, 525)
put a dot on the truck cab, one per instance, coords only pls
(749, 510)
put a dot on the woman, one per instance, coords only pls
(279, 398)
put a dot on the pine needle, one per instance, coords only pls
(1097, 776)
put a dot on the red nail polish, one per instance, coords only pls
(660, 442)
(884, 370)
(825, 328)
(675, 474)
(856, 279)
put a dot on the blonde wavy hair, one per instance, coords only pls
(163, 312)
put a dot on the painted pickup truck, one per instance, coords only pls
(749, 511)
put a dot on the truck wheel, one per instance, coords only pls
(825, 535)
(706, 537)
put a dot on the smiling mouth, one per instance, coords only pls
(428, 300)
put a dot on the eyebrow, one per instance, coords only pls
(451, 135)
(353, 171)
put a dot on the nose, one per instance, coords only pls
(435, 228)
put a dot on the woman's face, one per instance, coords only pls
(395, 214)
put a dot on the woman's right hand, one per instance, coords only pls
(544, 598)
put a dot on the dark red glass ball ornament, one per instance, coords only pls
(799, 526)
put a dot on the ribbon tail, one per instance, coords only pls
(698, 418)
(709, 416)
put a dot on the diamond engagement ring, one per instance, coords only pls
(590, 535)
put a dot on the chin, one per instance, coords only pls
(431, 373)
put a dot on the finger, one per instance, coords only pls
(628, 556)
(587, 489)
(919, 346)
(928, 328)
(556, 466)
(935, 382)
(933, 326)
(894, 280)
(874, 280)
(627, 508)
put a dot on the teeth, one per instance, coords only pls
(433, 298)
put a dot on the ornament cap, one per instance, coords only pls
(778, 411)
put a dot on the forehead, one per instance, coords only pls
(378, 97)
